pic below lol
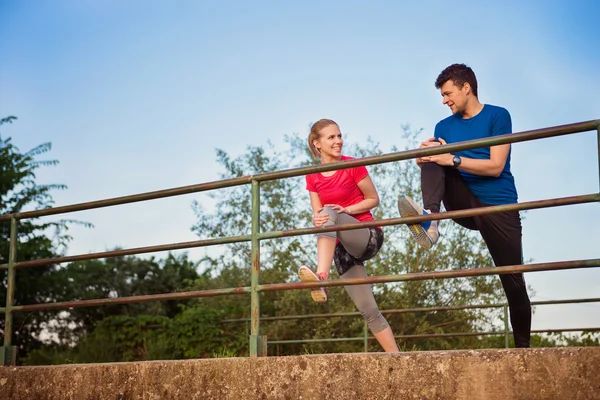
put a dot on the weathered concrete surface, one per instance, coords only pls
(527, 374)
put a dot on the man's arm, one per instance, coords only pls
(492, 167)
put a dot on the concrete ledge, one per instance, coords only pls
(527, 374)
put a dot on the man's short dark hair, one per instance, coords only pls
(459, 74)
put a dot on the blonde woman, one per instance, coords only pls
(341, 197)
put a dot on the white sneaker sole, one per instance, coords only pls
(408, 208)
(307, 275)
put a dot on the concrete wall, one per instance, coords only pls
(560, 374)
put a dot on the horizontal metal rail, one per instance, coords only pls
(358, 314)
(415, 309)
(132, 299)
(418, 276)
(136, 250)
(293, 172)
(529, 205)
(429, 335)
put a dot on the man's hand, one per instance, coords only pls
(445, 160)
(428, 143)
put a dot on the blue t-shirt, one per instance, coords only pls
(491, 121)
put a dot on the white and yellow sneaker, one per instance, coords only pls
(425, 233)
(307, 275)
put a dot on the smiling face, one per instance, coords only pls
(458, 85)
(329, 143)
(455, 97)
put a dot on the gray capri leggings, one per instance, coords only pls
(353, 248)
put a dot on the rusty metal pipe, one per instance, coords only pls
(293, 172)
(136, 250)
(528, 205)
(420, 276)
(10, 286)
(133, 299)
(429, 151)
(429, 335)
(562, 201)
(412, 310)
(255, 340)
(159, 194)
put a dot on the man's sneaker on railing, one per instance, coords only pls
(426, 233)
(307, 275)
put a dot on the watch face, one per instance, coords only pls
(456, 161)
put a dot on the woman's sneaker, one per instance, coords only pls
(307, 275)
(426, 233)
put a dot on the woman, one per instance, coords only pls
(341, 197)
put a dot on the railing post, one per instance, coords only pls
(598, 140)
(506, 330)
(258, 344)
(366, 336)
(8, 353)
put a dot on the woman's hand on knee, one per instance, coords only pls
(320, 219)
(338, 208)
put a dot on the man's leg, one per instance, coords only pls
(502, 234)
(455, 194)
(437, 183)
(432, 187)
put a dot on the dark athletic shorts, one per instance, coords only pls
(344, 261)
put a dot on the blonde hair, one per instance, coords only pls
(315, 135)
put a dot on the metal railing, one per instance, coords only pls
(258, 342)
(365, 338)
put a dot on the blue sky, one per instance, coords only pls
(135, 96)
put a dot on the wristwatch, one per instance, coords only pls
(456, 162)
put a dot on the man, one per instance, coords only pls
(474, 178)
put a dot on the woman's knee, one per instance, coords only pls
(330, 212)
(331, 220)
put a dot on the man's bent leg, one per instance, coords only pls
(433, 178)
(458, 196)
(432, 188)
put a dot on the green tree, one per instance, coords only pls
(196, 332)
(119, 277)
(93, 334)
(37, 239)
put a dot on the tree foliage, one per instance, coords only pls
(37, 239)
(118, 277)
